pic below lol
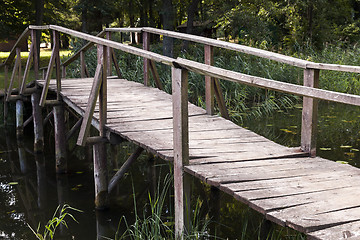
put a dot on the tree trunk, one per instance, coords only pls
(39, 9)
(190, 23)
(168, 23)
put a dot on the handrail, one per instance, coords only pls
(268, 83)
(123, 47)
(248, 50)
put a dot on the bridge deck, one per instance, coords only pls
(311, 195)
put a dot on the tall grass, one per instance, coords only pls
(157, 219)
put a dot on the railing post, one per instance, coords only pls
(309, 114)
(146, 46)
(36, 56)
(56, 50)
(99, 149)
(82, 65)
(209, 81)
(181, 150)
(19, 103)
(109, 56)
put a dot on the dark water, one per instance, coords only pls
(30, 191)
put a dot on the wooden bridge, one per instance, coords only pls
(290, 186)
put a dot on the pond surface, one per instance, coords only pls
(30, 191)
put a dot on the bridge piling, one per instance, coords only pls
(38, 123)
(60, 139)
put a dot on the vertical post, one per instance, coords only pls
(309, 114)
(109, 56)
(63, 72)
(19, 118)
(82, 65)
(19, 103)
(181, 150)
(99, 149)
(209, 81)
(56, 50)
(6, 79)
(36, 56)
(38, 122)
(60, 139)
(146, 46)
(18, 56)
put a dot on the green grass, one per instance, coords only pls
(45, 55)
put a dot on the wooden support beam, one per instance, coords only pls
(63, 71)
(27, 69)
(116, 64)
(27, 121)
(82, 65)
(60, 139)
(100, 176)
(19, 118)
(102, 59)
(47, 118)
(155, 75)
(74, 129)
(181, 149)
(309, 114)
(35, 54)
(109, 56)
(209, 81)
(56, 50)
(13, 76)
(38, 123)
(220, 100)
(87, 118)
(47, 77)
(95, 140)
(124, 168)
(146, 46)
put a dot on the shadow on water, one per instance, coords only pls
(30, 191)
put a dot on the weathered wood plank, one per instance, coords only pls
(350, 231)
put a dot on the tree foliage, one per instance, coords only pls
(279, 23)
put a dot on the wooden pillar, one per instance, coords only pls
(99, 149)
(209, 81)
(18, 56)
(309, 114)
(38, 122)
(60, 139)
(19, 118)
(100, 176)
(109, 56)
(146, 46)
(181, 150)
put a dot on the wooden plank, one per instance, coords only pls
(350, 231)
(269, 84)
(47, 79)
(146, 46)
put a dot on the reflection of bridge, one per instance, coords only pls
(289, 186)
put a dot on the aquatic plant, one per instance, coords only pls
(52, 225)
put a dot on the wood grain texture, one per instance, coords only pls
(307, 194)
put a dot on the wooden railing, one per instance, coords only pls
(180, 68)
